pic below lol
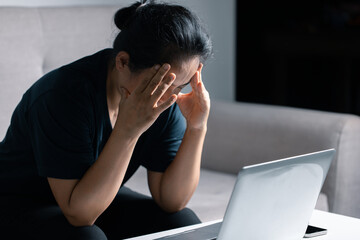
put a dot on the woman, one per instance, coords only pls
(81, 131)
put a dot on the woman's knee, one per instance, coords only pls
(68, 232)
(87, 233)
(185, 217)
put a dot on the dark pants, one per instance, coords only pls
(130, 214)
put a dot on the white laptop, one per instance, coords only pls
(270, 201)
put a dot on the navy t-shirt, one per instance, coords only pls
(62, 123)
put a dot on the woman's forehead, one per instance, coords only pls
(185, 70)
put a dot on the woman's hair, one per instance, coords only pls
(156, 33)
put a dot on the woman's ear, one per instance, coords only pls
(122, 61)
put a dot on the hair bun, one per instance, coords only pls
(123, 16)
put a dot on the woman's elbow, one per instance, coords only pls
(80, 220)
(172, 207)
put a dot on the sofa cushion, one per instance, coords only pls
(69, 33)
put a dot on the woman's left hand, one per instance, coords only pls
(195, 106)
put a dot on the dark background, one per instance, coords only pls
(301, 54)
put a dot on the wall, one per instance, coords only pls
(219, 16)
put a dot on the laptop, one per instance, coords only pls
(272, 200)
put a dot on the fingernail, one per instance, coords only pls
(166, 66)
(157, 66)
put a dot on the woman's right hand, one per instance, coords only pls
(139, 110)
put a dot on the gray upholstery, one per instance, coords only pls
(34, 41)
(242, 134)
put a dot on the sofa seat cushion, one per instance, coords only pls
(212, 195)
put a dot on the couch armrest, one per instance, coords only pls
(241, 134)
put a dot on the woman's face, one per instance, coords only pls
(184, 71)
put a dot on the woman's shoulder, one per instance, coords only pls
(81, 79)
(90, 70)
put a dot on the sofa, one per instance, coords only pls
(33, 41)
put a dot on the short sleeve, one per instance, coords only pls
(60, 128)
(169, 131)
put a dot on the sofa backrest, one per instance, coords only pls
(34, 41)
(241, 134)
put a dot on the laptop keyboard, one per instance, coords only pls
(209, 232)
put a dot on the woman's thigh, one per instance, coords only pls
(33, 218)
(130, 214)
(133, 214)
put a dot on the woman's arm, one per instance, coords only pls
(173, 189)
(82, 201)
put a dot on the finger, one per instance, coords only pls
(201, 65)
(177, 90)
(157, 79)
(148, 77)
(199, 88)
(200, 71)
(194, 81)
(179, 97)
(198, 77)
(165, 105)
(163, 87)
(182, 96)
